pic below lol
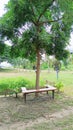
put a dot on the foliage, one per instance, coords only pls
(5, 52)
(25, 25)
(56, 65)
(13, 85)
(21, 63)
(44, 65)
(59, 85)
(1, 48)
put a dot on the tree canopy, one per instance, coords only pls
(36, 27)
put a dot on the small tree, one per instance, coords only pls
(57, 66)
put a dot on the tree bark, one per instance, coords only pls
(37, 71)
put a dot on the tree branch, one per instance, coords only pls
(33, 12)
(49, 21)
(32, 9)
(44, 10)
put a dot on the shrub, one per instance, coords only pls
(44, 65)
(59, 85)
(13, 85)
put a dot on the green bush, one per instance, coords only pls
(44, 65)
(59, 85)
(13, 85)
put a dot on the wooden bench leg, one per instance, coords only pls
(16, 94)
(53, 94)
(47, 92)
(24, 97)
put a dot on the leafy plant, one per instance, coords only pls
(59, 85)
(13, 85)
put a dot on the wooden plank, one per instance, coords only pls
(39, 90)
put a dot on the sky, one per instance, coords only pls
(2, 4)
(70, 47)
(2, 11)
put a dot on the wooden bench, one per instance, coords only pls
(25, 91)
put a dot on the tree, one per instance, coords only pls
(2, 46)
(25, 24)
(57, 67)
(6, 53)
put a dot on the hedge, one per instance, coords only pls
(13, 85)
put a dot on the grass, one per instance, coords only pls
(65, 76)
(36, 114)
(60, 124)
(42, 112)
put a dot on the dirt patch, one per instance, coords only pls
(53, 117)
(16, 115)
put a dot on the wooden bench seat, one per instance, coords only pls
(25, 91)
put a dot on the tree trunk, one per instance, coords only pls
(37, 71)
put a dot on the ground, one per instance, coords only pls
(37, 113)
(41, 113)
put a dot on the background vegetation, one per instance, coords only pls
(11, 82)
